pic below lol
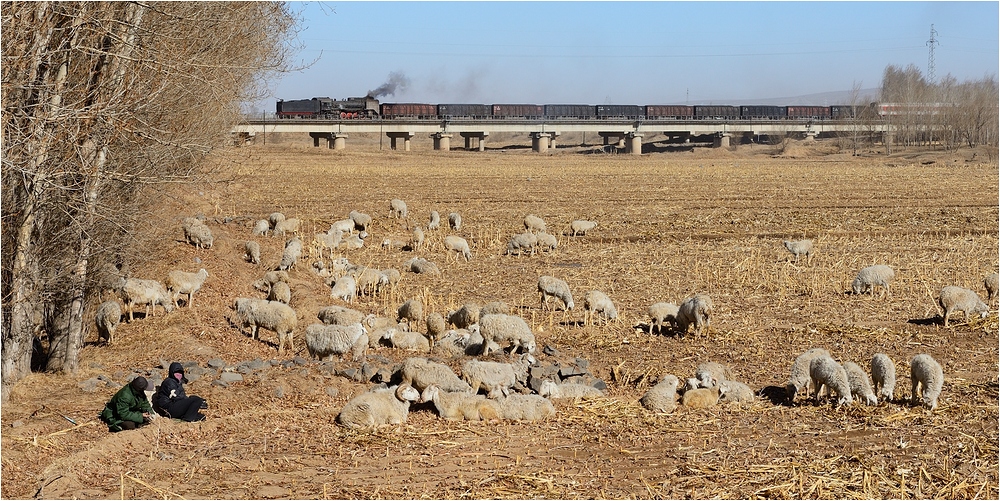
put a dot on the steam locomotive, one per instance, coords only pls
(369, 107)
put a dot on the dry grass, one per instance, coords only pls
(670, 225)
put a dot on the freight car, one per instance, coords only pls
(464, 110)
(717, 112)
(815, 112)
(517, 111)
(619, 111)
(763, 112)
(582, 111)
(664, 112)
(409, 110)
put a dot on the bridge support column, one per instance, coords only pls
(721, 140)
(552, 139)
(442, 141)
(634, 144)
(405, 136)
(539, 141)
(475, 140)
(618, 136)
(339, 141)
(811, 134)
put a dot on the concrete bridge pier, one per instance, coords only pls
(721, 140)
(634, 144)
(334, 140)
(405, 136)
(552, 139)
(442, 141)
(475, 140)
(539, 141)
(619, 138)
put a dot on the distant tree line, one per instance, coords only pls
(103, 102)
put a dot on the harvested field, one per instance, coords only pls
(670, 225)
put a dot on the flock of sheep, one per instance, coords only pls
(484, 330)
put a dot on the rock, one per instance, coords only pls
(17, 423)
(300, 361)
(550, 351)
(368, 371)
(216, 363)
(220, 383)
(230, 377)
(383, 375)
(331, 391)
(279, 392)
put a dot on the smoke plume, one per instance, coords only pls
(397, 83)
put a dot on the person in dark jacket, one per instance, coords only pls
(129, 408)
(171, 400)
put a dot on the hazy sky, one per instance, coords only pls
(629, 52)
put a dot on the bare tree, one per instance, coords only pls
(102, 101)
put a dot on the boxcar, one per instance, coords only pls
(618, 111)
(517, 111)
(464, 110)
(712, 111)
(820, 112)
(412, 110)
(569, 111)
(765, 112)
(658, 111)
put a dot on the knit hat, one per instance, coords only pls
(140, 384)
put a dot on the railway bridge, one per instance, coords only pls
(544, 133)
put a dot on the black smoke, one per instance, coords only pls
(397, 83)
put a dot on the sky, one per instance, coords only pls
(618, 52)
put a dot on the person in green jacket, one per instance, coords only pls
(129, 408)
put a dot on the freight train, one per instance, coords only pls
(368, 107)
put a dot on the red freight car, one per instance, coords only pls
(822, 112)
(680, 112)
(410, 110)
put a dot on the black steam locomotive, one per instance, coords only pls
(324, 107)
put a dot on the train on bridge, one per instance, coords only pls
(370, 108)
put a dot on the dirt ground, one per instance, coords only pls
(670, 225)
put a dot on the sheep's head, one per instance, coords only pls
(407, 393)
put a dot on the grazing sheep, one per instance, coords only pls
(455, 343)
(412, 310)
(407, 340)
(361, 220)
(597, 302)
(290, 225)
(197, 234)
(496, 378)
(871, 277)
(800, 247)
(378, 406)
(422, 266)
(291, 254)
(736, 391)
(421, 373)
(326, 340)
(280, 292)
(465, 316)
(507, 331)
(353, 242)
(417, 239)
(800, 378)
(148, 293)
(552, 286)
(861, 388)
(581, 227)
(954, 299)
(695, 310)
(459, 406)
(342, 226)
(547, 242)
(392, 244)
(519, 407)
(554, 391)
(368, 279)
(661, 398)
(107, 318)
(522, 242)
(455, 221)
(252, 250)
(534, 224)
(435, 325)
(346, 288)
(494, 308)
(182, 282)
(330, 240)
(691, 383)
(271, 315)
(458, 245)
(392, 277)
(660, 313)
(827, 373)
(884, 376)
(397, 208)
(261, 227)
(711, 374)
(339, 315)
(926, 373)
(435, 222)
(274, 218)
(990, 282)
(702, 398)
(269, 279)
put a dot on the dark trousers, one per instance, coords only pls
(185, 408)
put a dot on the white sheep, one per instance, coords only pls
(330, 240)
(264, 283)
(459, 406)
(691, 383)
(661, 398)
(291, 254)
(711, 374)
(342, 226)
(458, 245)
(736, 391)
(554, 287)
(800, 247)
(534, 224)
(397, 208)
(522, 242)
(465, 316)
(181, 282)
(519, 407)
(497, 378)
(861, 388)
(197, 234)
(884, 375)
(422, 266)
(339, 315)
(547, 242)
(507, 331)
(417, 238)
(148, 293)
(252, 251)
(954, 299)
(696, 310)
(455, 221)
(107, 318)
(435, 325)
(827, 373)
(326, 340)
(598, 303)
(991, 284)
(702, 398)
(361, 220)
(925, 373)
(660, 313)
(412, 311)
(280, 292)
(271, 315)
(378, 406)
(871, 277)
(407, 340)
(555, 391)
(290, 225)
(800, 379)
(435, 221)
(353, 241)
(261, 227)
(421, 373)
(493, 308)
(581, 227)
(346, 288)
(459, 342)
(274, 218)
(369, 280)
